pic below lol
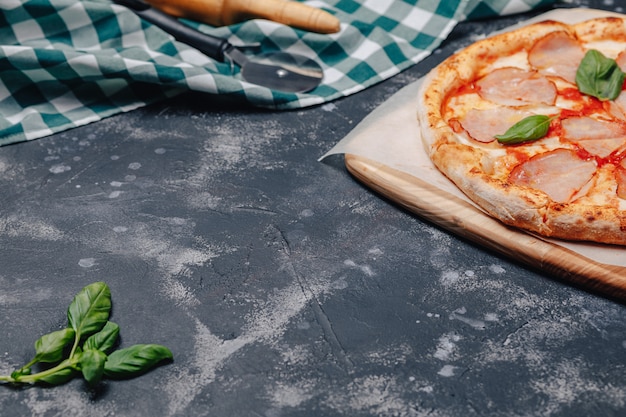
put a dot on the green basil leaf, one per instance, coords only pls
(49, 347)
(90, 308)
(599, 76)
(59, 377)
(92, 365)
(528, 129)
(135, 360)
(105, 339)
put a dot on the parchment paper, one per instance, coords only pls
(390, 135)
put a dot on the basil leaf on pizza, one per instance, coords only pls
(526, 130)
(599, 76)
(540, 81)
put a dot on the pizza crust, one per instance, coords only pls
(470, 165)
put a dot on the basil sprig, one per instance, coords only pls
(599, 76)
(95, 358)
(528, 129)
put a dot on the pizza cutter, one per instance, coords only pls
(281, 71)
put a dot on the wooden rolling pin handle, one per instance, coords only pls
(227, 12)
(288, 12)
(206, 11)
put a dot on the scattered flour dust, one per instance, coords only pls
(175, 261)
(536, 340)
(459, 314)
(76, 403)
(151, 243)
(461, 280)
(366, 269)
(568, 384)
(295, 355)
(267, 325)
(204, 199)
(449, 278)
(374, 252)
(155, 242)
(497, 269)
(380, 395)
(377, 394)
(59, 168)
(439, 254)
(4, 165)
(446, 347)
(209, 352)
(19, 226)
(447, 370)
(292, 395)
(87, 262)
(17, 297)
(391, 357)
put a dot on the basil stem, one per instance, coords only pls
(528, 129)
(599, 76)
(49, 349)
(56, 375)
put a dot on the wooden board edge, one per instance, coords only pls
(465, 220)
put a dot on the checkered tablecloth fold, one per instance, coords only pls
(65, 63)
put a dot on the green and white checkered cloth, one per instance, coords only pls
(66, 63)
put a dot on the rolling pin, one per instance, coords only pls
(227, 12)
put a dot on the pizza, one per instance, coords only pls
(531, 125)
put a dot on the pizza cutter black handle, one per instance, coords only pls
(280, 71)
(209, 45)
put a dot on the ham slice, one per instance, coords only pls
(595, 136)
(484, 124)
(557, 54)
(602, 147)
(560, 173)
(618, 106)
(583, 127)
(516, 87)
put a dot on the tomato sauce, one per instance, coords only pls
(466, 89)
(517, 154)
(583, 154)
(586, 105)
(555, 130)
(615, 158)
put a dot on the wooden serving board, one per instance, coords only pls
(465, 220)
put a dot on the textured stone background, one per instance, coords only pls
(283, 286)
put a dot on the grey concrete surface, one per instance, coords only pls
(282, 285)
